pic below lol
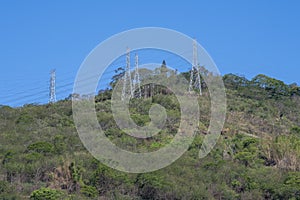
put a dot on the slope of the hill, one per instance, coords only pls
(257, 155)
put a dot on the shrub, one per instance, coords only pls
(89, 191)
(3, 186)
(41, 147)
(46, 194)
(59, 144)
(150, 186)
(295, 130)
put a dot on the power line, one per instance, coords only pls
(61, 88)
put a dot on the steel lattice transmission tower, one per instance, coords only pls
(127, 91)
(136, 80)
(52, 95)
(195, 71)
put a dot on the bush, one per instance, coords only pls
(33, 157)
(3, 186)
(295, 130)
(106, 179)
(150, 186)
(46, 194)
(89, 191)
(41, 147)
(59, 144)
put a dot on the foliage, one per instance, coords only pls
(256, 157)
(41, 147)
(46, 194)
(89, 191)
(150, 186)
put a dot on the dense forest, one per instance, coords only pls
(256, 157)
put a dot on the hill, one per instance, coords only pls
(256, 157)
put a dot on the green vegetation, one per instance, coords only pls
(256, 157)
(46, 194)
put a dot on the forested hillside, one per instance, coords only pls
(256, 157)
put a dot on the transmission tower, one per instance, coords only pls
(195, 71)
(136, 80)
(127, 79)
(52, 96)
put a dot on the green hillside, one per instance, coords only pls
(256, 157)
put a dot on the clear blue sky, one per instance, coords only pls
(243, 37)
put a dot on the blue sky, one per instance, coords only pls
(243, 37)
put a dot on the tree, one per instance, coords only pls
(119, 73)
(234, 81)
(164, 69)
(273, 86)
